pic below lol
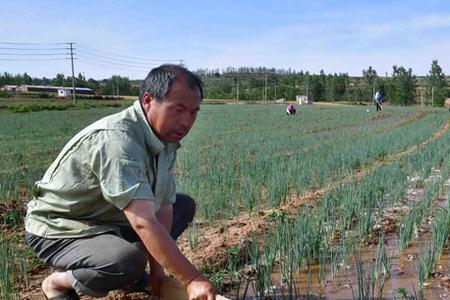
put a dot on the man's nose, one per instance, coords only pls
(186, 121)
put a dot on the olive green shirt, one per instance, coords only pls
(97, 174)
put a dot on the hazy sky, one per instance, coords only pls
(128, 37)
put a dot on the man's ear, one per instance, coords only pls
(147, 101)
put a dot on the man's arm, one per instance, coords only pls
(141, 215)
(157, 275)
(165, 216)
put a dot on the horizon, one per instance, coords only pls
(140, 79)
(128, 38)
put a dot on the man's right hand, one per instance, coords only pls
(201, 289)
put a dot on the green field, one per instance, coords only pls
(247, 158)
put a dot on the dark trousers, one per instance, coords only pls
(378, 105)
(98, 264)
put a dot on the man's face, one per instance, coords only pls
(172, 118)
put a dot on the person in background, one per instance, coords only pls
(290, 110)
(378, 99)
(108, 205)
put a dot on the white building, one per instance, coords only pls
(60, 91)
(67, 92)
(8, 88)
(302, 99)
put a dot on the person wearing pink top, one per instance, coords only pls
(290, 110)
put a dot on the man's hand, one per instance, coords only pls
(201, 289)
(157, 274)
(159, 243)
(156, 281)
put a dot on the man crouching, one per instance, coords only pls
(108, 203)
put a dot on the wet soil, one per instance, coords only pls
(403, 279)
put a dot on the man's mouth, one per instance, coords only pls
(179, 134)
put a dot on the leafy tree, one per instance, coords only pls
(437, 85)
(402, 89)
(335, 88)
(80, 81)
(58, 80)
(317, 86)
(6, 78)
(370, 85)
(117, 85)
(92, 84)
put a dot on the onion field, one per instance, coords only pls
(335, 202)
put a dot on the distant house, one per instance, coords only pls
(447, 102)
(302, 99)
(280, 101)
(8, 88)
(60, 91)
(67, 92)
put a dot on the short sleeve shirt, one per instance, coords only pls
(98, 173)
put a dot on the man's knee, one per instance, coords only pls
(132, 262)
(126, 266)
(187, 205)
(183, 214)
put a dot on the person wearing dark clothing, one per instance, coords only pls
(378, 100)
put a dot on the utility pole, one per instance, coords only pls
(421, 98)
(275, 91)
(373, 88)
(73, 73)
(117, 87)
(237, 90)
(307, 88)
(432, 96)
(112, 89)
(265, 87)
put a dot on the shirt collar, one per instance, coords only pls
(153, 143)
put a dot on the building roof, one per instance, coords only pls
(76, 88)
(54, 87)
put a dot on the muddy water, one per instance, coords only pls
(403, 275)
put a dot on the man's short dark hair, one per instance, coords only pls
(159, 81)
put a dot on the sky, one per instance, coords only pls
(130, 37)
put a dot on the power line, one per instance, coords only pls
(115, 59)
(127, 68)
(31, 59)
(15, 52)
(12, 43)
(110, 60)
(32, 49)
(120, 56)
(32, 54)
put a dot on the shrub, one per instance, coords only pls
(4, 94)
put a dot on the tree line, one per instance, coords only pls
(247, 83)
(400, 88)
(116, 85)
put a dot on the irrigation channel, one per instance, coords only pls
(343, 281)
